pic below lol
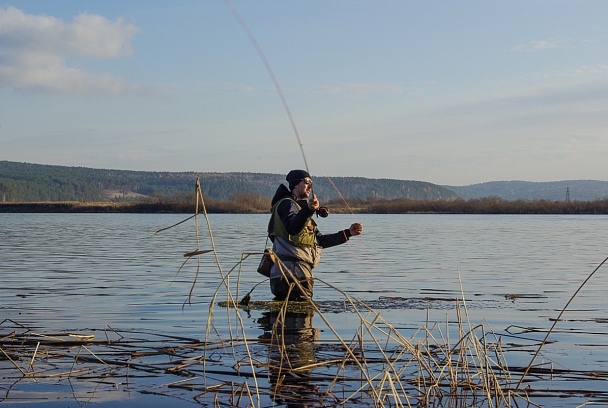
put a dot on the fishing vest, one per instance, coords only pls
(306, 238)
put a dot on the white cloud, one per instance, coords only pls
(536, 46)
(35, 48)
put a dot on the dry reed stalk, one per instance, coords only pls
(12, 361)
(200, 200)
(282, 347)
(105, 332)
(31, 366)
(349, 351)
(387, 360)
(60, 374)
(523, 376)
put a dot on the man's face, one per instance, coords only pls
(303, 189)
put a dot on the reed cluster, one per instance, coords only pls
(375, 366)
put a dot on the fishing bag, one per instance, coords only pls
(265, 264)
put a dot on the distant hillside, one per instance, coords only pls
(24, 182)
(577, 190)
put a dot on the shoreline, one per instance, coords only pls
(476, 206)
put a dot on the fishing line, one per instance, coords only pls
(359, 242)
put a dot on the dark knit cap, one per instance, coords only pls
(295, 176)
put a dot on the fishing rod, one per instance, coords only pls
(321, 211)
(272, 76)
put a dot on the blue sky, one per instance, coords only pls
(440, 91)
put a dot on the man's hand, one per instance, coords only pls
(356, 229)
(313, 203)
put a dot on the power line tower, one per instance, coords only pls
(567, 194)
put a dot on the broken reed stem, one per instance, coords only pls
(31, 367)
(13, 362)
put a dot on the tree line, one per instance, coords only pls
(24, 182)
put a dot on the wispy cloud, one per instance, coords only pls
(533, 46)
(360, 89)
(586, 70)
(35, 48)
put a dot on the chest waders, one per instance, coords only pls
(299, 269)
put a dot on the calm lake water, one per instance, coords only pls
(78, 272)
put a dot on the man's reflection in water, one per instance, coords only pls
(292, 341)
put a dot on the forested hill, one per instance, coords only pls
(574, 190)
(24, 182)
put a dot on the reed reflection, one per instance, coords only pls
(291, 355)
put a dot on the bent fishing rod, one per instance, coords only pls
(321, 211)
(262, 56)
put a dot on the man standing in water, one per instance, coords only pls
(296, 240)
